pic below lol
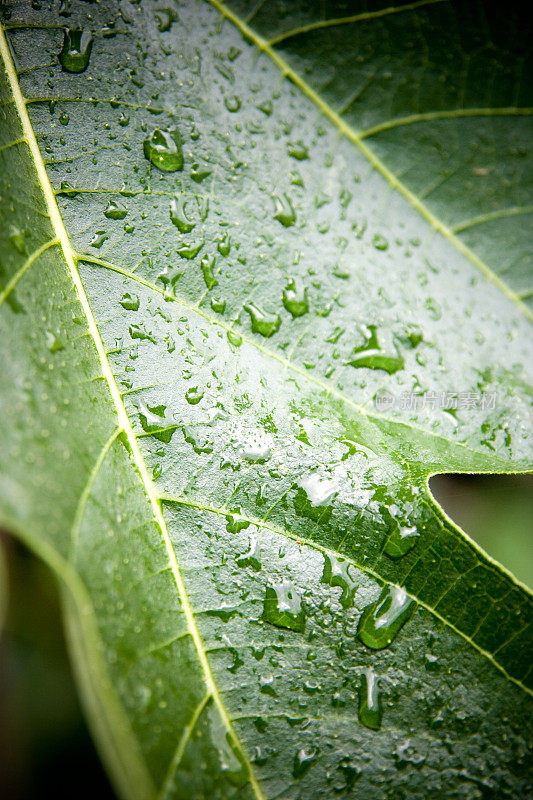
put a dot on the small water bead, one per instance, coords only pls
(76, 51)
(224, 245)
(381, 621)
(208, 270)
(218, 304)
(98, 239)
(53, 342)
(234, 338)
(337, 573)
(153, 422)
(235, 521)
(186, 212)
(370, 708)
(130, 302)
(190, 250)
(284, 211)
(194, 395)
(298, 150)
(231, 762)
(400, 541)
(17, 240)
(252, 557)
(64, 118)
(379, 242)
(140, 332)
(295, 299)
(233, 103)
(283, 607)
(165, 17)
(115, 210)
(163, 149)
(263, 322)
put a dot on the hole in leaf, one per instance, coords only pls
(494, 510)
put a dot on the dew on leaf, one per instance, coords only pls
(179, 216)
(224, 245)
(263, 322)
(283, 607)
(252, 557)
(140, 332)
(76, 51)
(233, 103)
(303, 761)
(232, 764)
(400, 541)
(379, 242)
(115, 210)
(67, 190)
(130, 302)
(16, 238)
(194, 395)
(370, 708)
(218, 304)
(190, 250)
(381, 621)
(235, 521)
(165, 17)
(53, 342)
(207, 264)
(371, 355)
(284, 211)
(163, 150)
(295, 299)
(298, 150)
(234, 338)
(337, 573)
(98, 239)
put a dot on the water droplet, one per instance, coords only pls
(235, 521)
(284, 211)
(152, 419)
(64, 119)
(67, 190)
(379, 242)
(140, 332)
(194, 395)
(233, 766)
(320, 491)
(53, 342)
(400, 541)
(370, 708)
(163, 150)
(16, 237)
(371, 355)
(381, 621)
(207, 264)
(283, 607)
(224, 245)
(252, 557)
(233, 103)
(337, 573)
(262, 321)
(115, 210)
(303, 761)
(298, 150)
(234, 338)
(190, 250)
(218, 304)
(76, 51)
(179, 216)
(295, 299)
(130, 302)
(98, 239)
(165, 17)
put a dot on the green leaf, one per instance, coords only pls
(261, 277)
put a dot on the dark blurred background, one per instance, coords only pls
(44, 743)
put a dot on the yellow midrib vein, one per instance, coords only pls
(347, 131)
(125, 424)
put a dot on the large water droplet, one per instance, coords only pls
(337, 573)
(232, 763)
(370, 709)
(262, 321)
(194, 395)
(400, 541)
(76, 50)
(381, 621)
(283, 607)
(178, 214)
(295, 299)
(163, 150)
(130, 302)
(152, 419)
